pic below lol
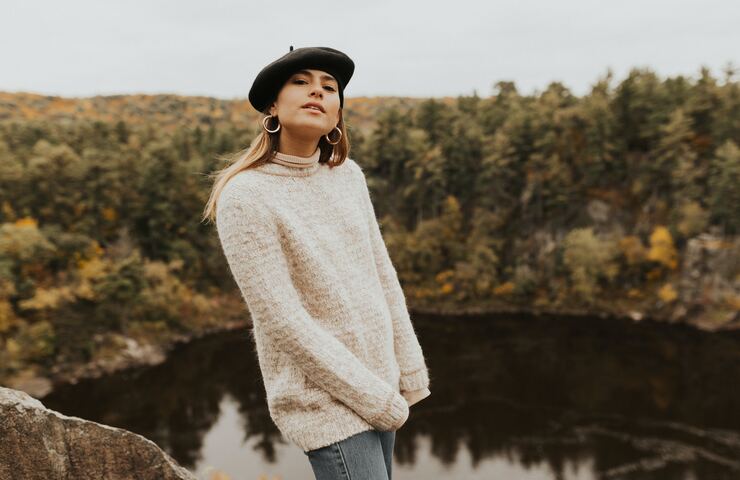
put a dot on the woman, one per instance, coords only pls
(339, 357)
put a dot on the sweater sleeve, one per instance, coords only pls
(415, 396)
(414, 372)
(251, 244)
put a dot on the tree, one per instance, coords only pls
(588, 259)
(724, 190)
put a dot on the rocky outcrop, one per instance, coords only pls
(38, 443)
(709, 277)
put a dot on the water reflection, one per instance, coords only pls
(513, 397)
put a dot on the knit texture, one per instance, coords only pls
(334, 340)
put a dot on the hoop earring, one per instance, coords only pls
(327, 136)
(264, 124)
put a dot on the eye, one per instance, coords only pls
(300, 81)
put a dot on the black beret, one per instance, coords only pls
(271, 79)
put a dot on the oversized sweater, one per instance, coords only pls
(336, 348)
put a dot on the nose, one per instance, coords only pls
(316, 90)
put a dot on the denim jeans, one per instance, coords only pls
(364, 456)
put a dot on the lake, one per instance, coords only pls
(514, 397)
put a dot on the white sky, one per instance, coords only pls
(408, 48)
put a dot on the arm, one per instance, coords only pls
(414, 372)
(252, 248)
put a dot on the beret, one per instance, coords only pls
(270, 80)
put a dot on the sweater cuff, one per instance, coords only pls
(415, 396)
(395, 414)
(414, 380)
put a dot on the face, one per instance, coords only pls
(308, 86)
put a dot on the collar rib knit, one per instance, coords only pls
(292, 165)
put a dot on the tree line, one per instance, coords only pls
(547, 200)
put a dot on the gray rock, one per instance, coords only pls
(598, 211)
(38, 443)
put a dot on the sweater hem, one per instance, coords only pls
(321, 433)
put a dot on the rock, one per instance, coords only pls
(38, 443)
(679, 313)
(598, 211)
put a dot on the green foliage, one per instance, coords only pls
(724, 185)
(692, 219)
(525, 280)
(480, 198)
(588, 259)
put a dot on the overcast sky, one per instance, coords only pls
(408, 48)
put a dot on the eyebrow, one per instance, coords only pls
(323, 77)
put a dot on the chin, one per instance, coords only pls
(314, 128)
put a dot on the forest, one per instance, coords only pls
(623, 201)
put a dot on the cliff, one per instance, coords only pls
(38, 443)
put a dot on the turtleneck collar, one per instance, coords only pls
(296, 161)
(292, 165)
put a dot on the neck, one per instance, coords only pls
(297, 147)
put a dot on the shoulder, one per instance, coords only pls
(355, 169)
(242, 199)
(246, 188)
(353, 165)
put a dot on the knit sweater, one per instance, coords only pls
(336, 348)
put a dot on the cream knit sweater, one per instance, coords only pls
(335, 344)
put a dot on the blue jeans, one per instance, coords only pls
(364, 456)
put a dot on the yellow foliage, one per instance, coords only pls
(733, 301)
(634, 293)
(51, 298)
(26, 222)
(632, 249)
(444, 276)
(447, 288)
(667, 293)
(157, 271)
(84, 290)
(662, 249)
(97, 249)
(91, 269)
(37, 341)
(422, 292)
(7, 288)
(7, 317)
(110, 214)
(504, 289)
(8, 211)
(13, 348)
(694, 219)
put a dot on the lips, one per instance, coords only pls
(313, 104)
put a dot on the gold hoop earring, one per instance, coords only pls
(264, 124)
(327, 136)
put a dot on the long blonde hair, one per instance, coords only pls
(259, 152)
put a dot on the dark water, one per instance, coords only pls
(516, 398)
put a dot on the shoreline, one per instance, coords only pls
(134, 356)
(137, 355)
